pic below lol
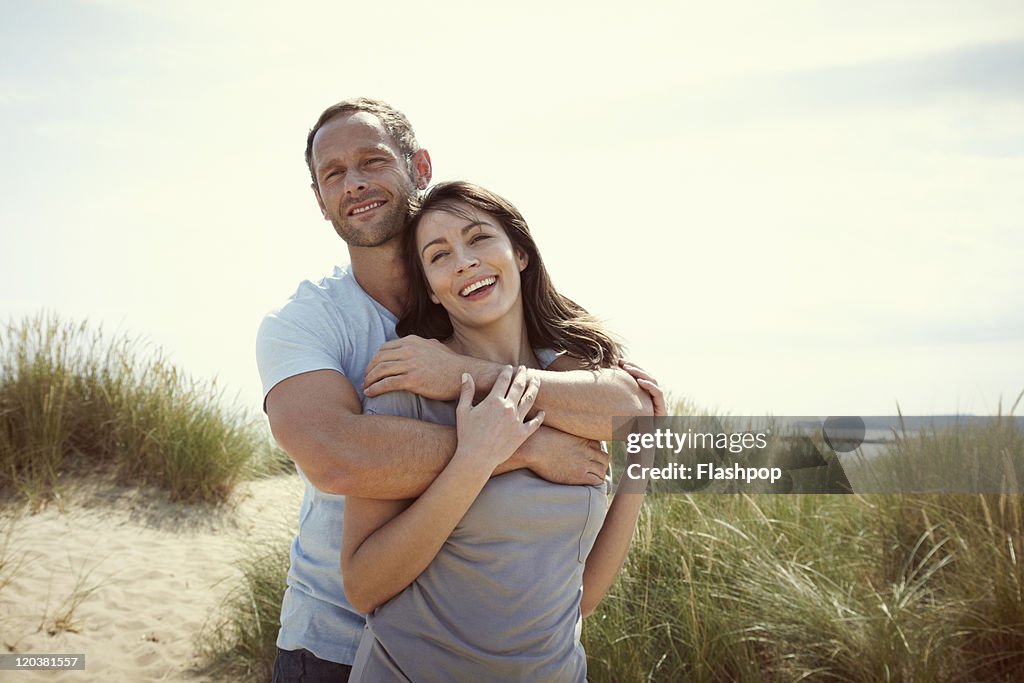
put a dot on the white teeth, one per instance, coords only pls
(477, 285)
(365, 208)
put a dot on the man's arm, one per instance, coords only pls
(582, 402)
(316, 417)
(575, 401)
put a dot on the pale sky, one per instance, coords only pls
(787, 207)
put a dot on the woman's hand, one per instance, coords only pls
(386, 544)
(492, 430)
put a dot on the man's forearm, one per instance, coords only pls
(371, 456)
(377, 456)
(579, 402)
(317, 419)
(582, 402)
(575, 401)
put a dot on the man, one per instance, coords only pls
(334, 342)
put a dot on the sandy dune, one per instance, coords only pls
(126, 578)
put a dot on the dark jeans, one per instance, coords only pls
(302, 666)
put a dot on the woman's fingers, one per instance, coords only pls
(529, 395)
(502, 383)
(523, 391)
(518, 386)
(466, 395)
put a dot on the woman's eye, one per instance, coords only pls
(477, 238)
(437, 256)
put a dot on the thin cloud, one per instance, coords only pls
(993, 71)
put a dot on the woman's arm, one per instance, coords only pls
(387, 544)
(612, 542)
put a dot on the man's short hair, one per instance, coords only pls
(394, 122)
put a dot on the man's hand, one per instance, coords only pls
(648, 384)
(642, 424)
(421, 366)
(563, 458)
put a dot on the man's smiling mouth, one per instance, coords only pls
(479, 284)
(363, 209)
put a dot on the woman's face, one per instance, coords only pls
(471, 266)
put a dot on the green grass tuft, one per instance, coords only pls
(239, 641)
(73, 401)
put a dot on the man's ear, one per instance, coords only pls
(319, 201)
(421, 169)
(523, 258)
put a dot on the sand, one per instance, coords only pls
(126, 577)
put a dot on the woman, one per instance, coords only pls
(481, 577)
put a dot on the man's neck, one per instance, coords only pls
(381, 273)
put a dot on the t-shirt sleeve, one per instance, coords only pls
(394, 403)
(546, 356)
(294, 340)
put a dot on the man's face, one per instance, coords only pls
(363, 183)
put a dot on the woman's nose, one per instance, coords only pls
(466, 261)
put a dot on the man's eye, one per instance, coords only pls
(376, 161)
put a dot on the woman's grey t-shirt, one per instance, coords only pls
(501, 601)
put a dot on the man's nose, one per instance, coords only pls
(354, 182)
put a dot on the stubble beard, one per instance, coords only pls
(384, 228)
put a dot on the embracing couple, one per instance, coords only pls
(443, 404)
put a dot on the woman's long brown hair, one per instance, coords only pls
(552, 320)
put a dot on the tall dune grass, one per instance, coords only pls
(972, 455)
(725, 588)
(73, 400)
(894, 587)
(239, 641)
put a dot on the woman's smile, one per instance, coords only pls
(478, 288)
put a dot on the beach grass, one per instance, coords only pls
(238, 641)
(11, 559)
(881, 587)
(979, 455)
(731, 588)
(900, 587)
(76, 401)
